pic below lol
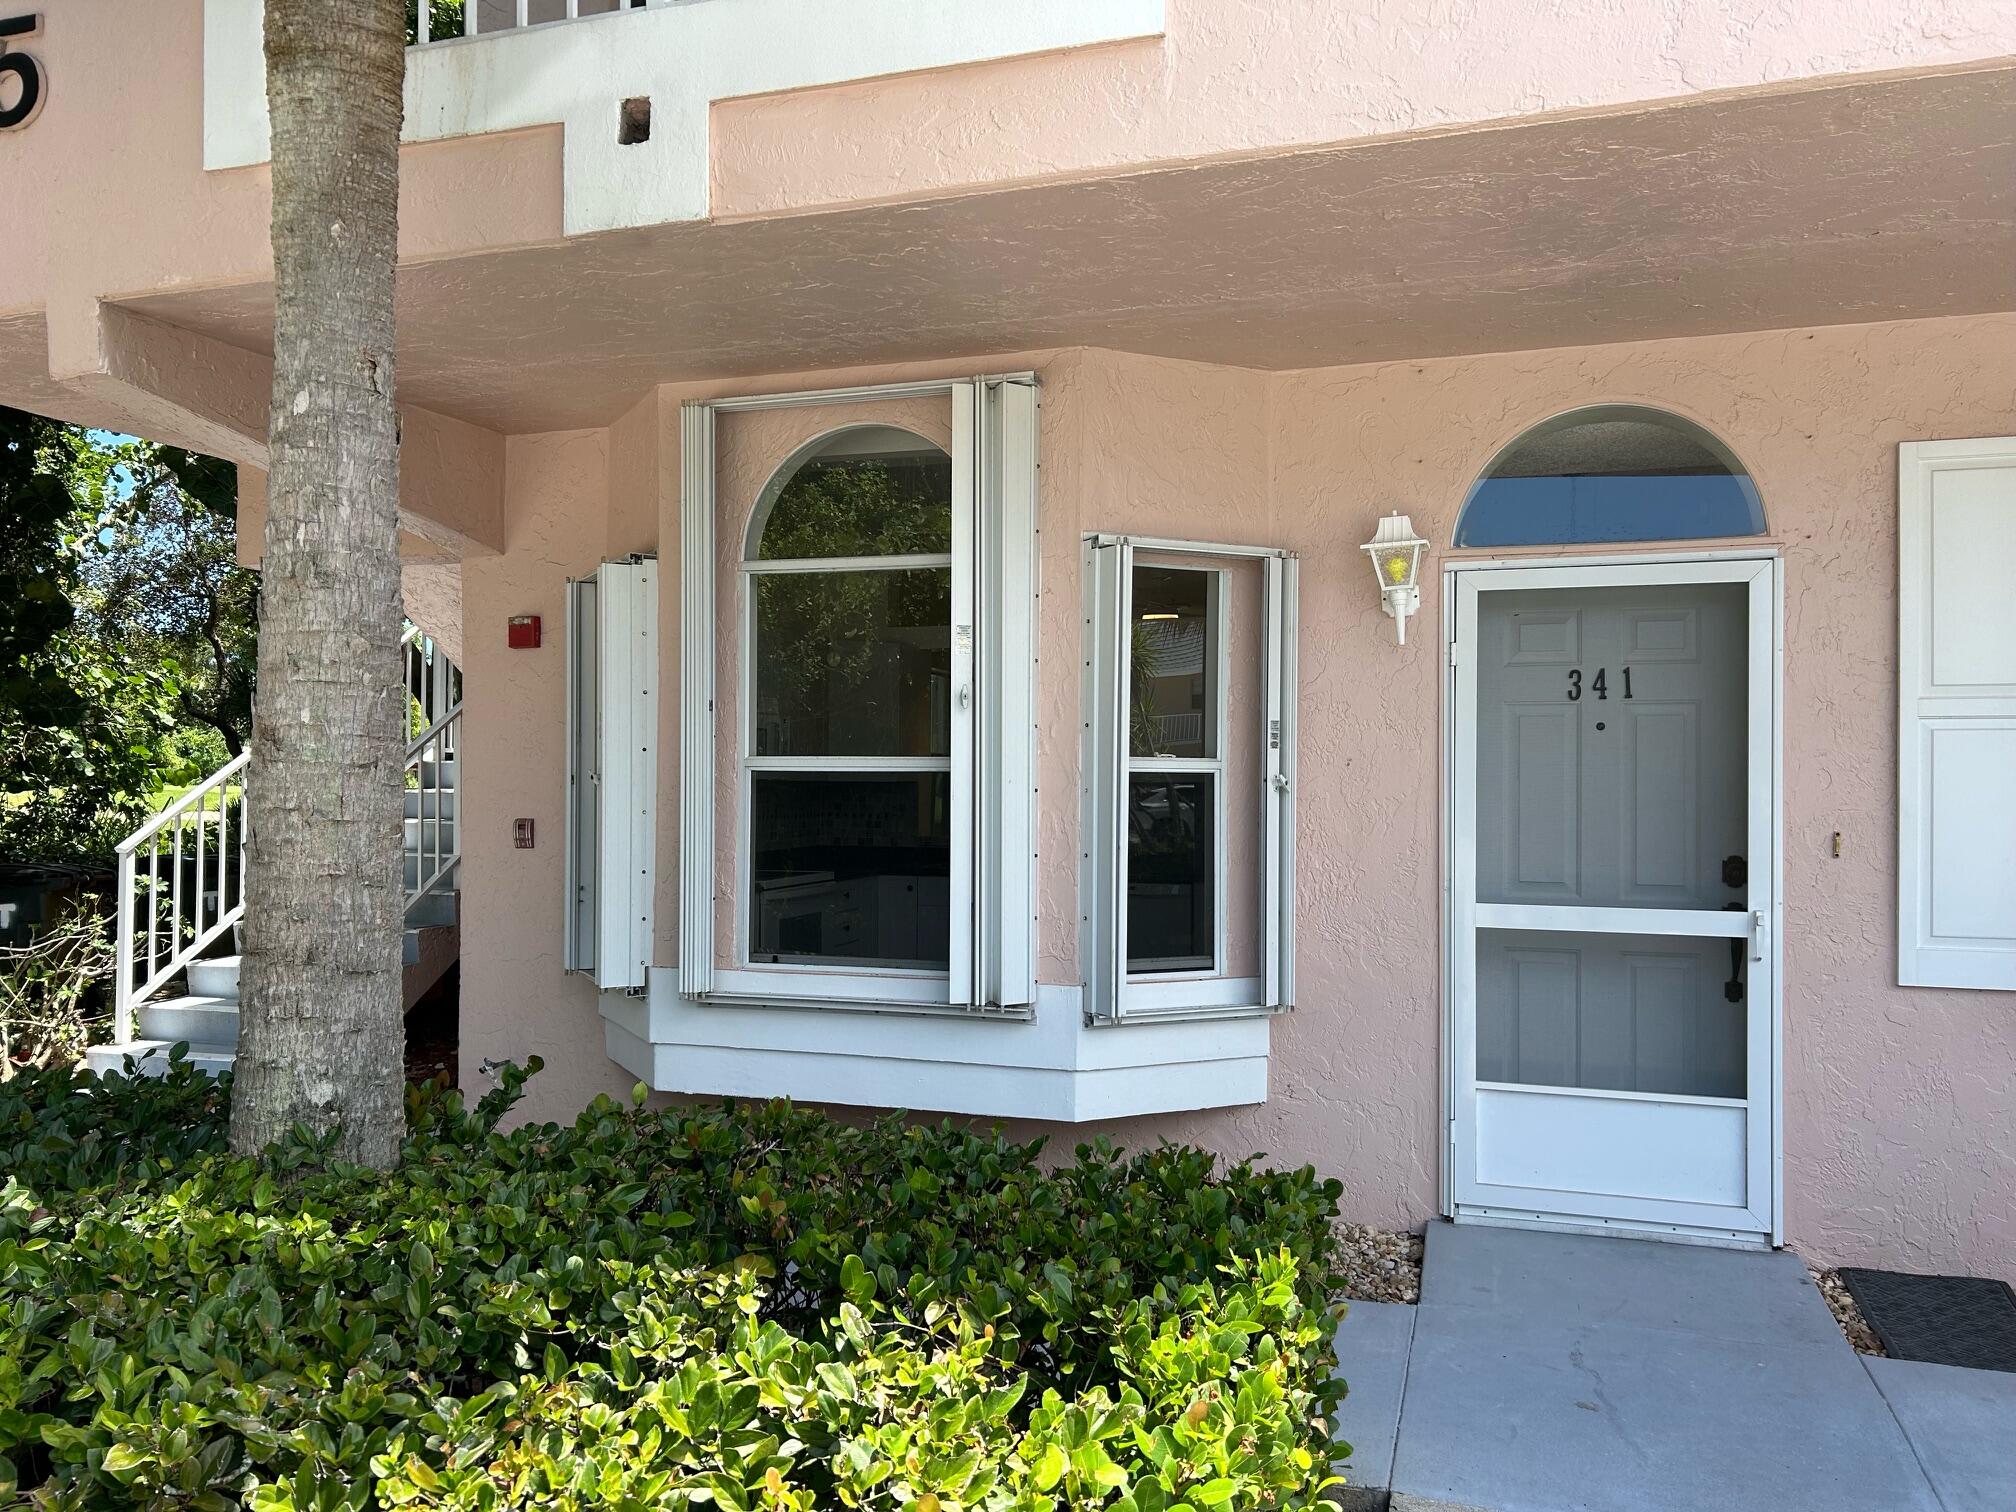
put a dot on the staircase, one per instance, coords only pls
(181, 891)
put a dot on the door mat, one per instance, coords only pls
(1944, 1320)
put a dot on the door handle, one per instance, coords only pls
(1759, 927)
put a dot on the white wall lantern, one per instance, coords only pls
(1396, 561)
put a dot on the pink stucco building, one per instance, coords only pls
(938, 442)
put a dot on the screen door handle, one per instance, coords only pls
(1759, 926)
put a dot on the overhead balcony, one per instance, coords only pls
(431, 21)
(630, 84)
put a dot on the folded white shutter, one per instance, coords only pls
(1004, 757)
(627, 753)
(1109, 576)
(584, 779)
(1956, 589)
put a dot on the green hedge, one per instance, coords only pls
(741, 1306)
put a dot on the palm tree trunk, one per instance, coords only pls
(321, 1035)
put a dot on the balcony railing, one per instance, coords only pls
(445, 20)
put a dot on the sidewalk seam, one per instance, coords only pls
(1891, 1408)
(1406, 1378)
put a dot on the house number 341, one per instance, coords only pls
(1599, 685)
(24, 70)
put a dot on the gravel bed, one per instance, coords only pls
(1379, 1265)
(1846, 1313)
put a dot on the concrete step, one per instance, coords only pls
(429, 803)
(435, 910)
(215, 978)
(438, 774)
(150, 1057)
(199, 1020)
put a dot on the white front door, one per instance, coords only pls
(1613, 867)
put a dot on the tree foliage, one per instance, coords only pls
(81, 723)
(165, 586)
(128, 632)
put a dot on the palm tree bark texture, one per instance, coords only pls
(321, 1033)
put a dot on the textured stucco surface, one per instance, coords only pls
(516, 1000)
(433, 596)
(1876, 199)
(1244, 76)
(1898, 1101)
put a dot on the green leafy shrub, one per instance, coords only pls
(740, 1306)
(66, 1134)
(51, 987)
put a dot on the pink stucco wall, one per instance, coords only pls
(1234, 77)
(1898, 1101)
(516, 1000)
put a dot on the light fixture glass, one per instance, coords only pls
(1395, 553)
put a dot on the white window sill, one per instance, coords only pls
(1051, 1068)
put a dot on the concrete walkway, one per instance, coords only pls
(1558, 1373)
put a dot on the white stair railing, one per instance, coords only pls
(438, 844)
(182, 873)
(164, 925)
(434, 843)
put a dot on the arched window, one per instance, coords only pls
(1612, 472)
(848, 728)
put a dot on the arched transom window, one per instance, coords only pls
(848, 747)
(1611, 472)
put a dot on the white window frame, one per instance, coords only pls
(1112, 995)
(612, 773)
(994, 606)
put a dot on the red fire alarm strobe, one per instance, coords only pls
(521, 632)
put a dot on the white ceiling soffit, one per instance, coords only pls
(682, 57)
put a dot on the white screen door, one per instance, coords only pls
(1613, 868)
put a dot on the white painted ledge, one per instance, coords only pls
(1051, 1068)
(682, 57)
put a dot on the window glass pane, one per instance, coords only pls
(854, 663)
(1626, 1013)
(1611, 473)
(1171, 872)
(850, 868)
(874, 491)
(1172, 669)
